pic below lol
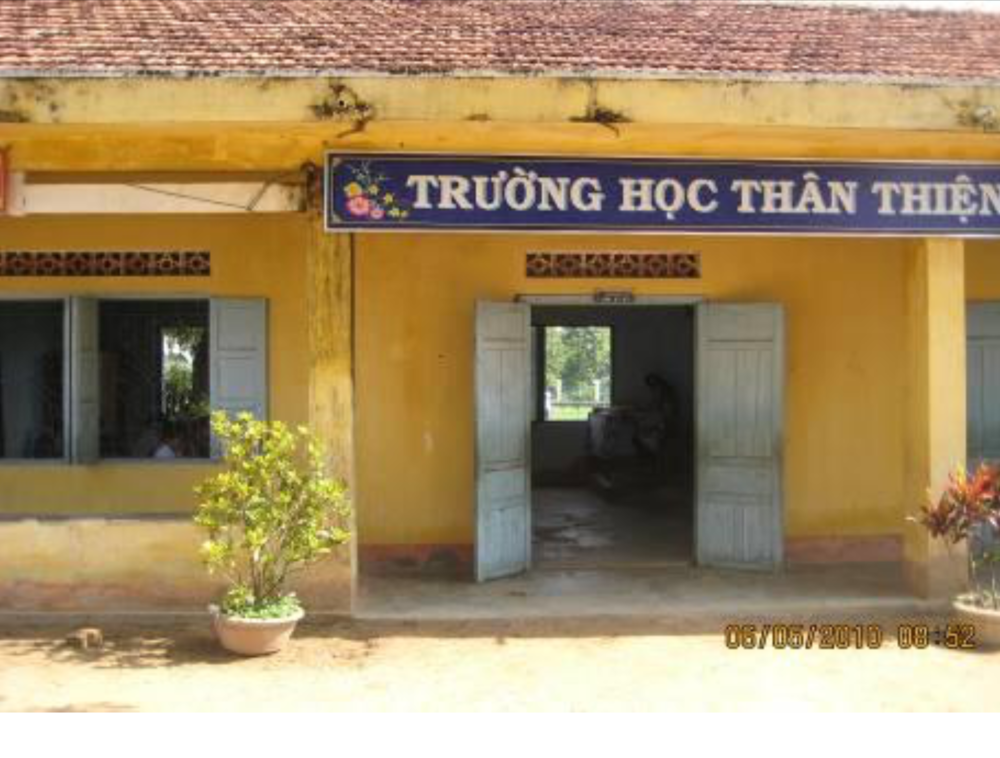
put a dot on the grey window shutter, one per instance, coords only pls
(239, 356)
(85, 385)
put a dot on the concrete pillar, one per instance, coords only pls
(935, 435)
(329, 294)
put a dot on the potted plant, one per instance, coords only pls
(969, 511)
(271, 512)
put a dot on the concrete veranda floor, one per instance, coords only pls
(575, 527)
(672, 592)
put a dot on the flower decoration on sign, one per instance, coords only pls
(368, 196)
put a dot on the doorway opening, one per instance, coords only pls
(612, 435)
(738, 377)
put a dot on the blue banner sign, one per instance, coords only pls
(376, 192)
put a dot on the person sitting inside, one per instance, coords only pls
(171, 445)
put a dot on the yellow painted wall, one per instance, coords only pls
(251, 256)
(130, 564)
(415, 293)
(415, 296)
(982, 269)
(528, 99)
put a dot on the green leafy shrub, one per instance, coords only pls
(271, 512)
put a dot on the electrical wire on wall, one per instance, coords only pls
(249, 207)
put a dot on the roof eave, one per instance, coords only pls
(736, 77)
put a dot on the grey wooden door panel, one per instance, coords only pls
(739, 520)
(504, 484)
(742, 534)
(982, 319)
(974, 400)
(739, 323)
(989, 391)
(505, 404)
(983, 383)
(720, 381)
(743, 426)
(503, 493)
(502, 531)
(739, 477)
(739, 531)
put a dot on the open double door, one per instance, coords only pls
(739, 400)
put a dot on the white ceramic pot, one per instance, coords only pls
(985, 621)
(253, 636)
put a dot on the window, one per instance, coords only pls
(84, 379)
(577, 373)
(32, 339)
(154, 388)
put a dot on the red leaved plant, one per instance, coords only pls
(969, 509)
(965, 503)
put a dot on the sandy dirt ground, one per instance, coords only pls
(566, 665)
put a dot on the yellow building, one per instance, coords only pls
(163, 249)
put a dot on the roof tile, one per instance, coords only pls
(527, 37)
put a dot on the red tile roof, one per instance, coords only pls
(538, 37)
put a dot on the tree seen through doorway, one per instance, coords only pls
(577, 371)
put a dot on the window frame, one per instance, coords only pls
(66, 299)
(210, 459)
(541, 363)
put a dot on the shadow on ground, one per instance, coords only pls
(126, 645)
(101, 707)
